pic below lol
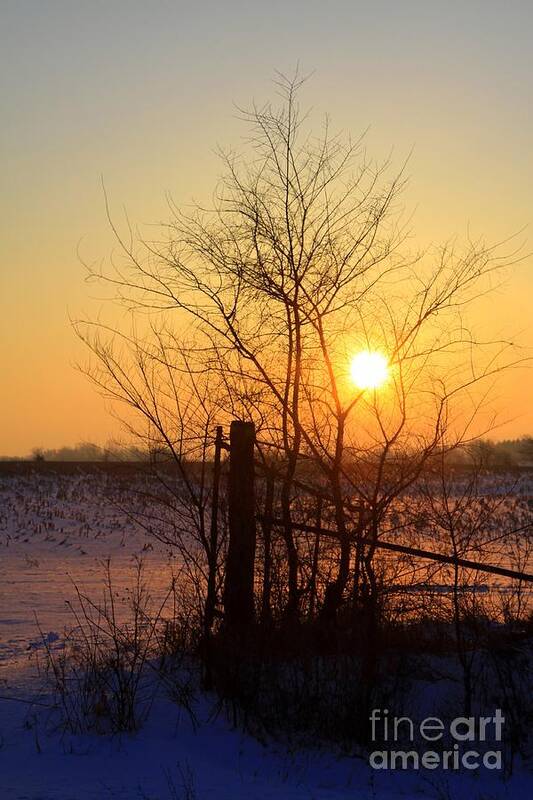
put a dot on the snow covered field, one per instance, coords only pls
(56, 530)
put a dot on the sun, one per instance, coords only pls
(369, 369)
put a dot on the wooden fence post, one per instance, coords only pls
(239, 583)
(211, 599)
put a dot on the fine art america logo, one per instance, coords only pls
(457, 743)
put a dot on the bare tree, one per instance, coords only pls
(173, 402)
(301, 260)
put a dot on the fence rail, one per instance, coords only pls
(410, 551)
(239, 579)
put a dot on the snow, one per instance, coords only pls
(56, 530)
(170, 756)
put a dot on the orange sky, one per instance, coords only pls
(142, 93)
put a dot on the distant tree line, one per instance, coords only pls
(497, 454)
(486, 452)
(88, 451)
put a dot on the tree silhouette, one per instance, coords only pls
(256, 304)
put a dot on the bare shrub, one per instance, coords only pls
(107, 674)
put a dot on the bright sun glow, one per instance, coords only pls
(369, 370)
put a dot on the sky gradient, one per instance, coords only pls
(141, 93)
